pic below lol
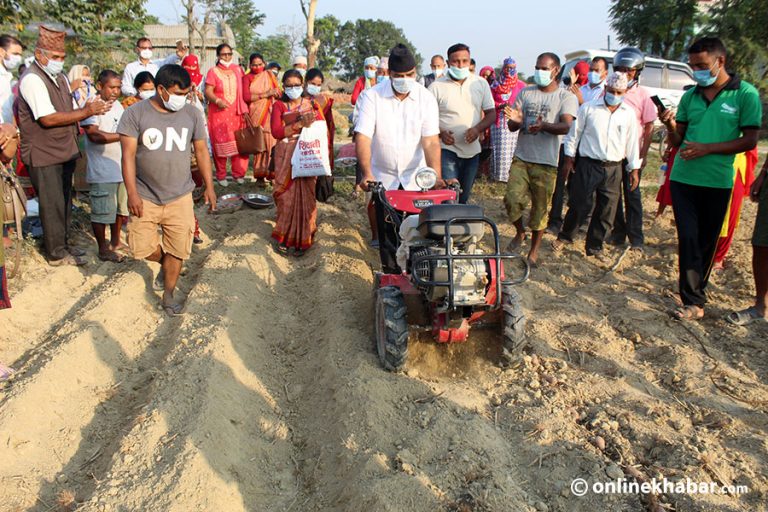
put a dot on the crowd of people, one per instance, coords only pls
(586, 138)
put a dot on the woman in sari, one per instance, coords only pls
(260, 90)
(368, 79)
(294, 199)
(314, 85)
(224, 92)
(503, 141)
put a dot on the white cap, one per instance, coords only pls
(384, 63)
(300, 59)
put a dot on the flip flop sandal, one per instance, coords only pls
(173, 309)
(75, 261)
(75, 251)
(686, 313)
(745, 316)
(558, 245)
(114, 257)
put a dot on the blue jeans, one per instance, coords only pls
(463, 169)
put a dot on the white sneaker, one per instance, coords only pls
(240, 181)
(224, 182)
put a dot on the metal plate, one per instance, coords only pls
(258, 201)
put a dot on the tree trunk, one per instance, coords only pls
(312, 44)
(189, 5)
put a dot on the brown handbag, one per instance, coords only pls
(250, 140)
(14, 205)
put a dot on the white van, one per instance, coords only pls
(666, 78)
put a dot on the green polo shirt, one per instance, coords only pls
(735, 108)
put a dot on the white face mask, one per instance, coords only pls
(439, 72)
(145, 54)
(403, 85)
(145, 95)
(174, 102)
(12, 62)
(225, 63)
(54, 67)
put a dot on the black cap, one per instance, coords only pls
(273, 65)
(401, 59)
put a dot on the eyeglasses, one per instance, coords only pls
(225, 54)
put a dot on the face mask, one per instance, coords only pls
(174, 102)
(12, 62)
(275, 71)
(439, 72)
(542, 77)
(612, 99)
(293, 93)
(257, 69)
(594, 78)
(458, 73)
(145, 95)
(313, 89)
(403, 85)
(370, 73)
(704, 77)
(145, 54)
(54, 67)
(225, 64)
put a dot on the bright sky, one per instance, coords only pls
(493, 29)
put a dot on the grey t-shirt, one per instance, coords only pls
(541, 147)
(163, 171)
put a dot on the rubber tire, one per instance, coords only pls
(391, 328)
(513, 325)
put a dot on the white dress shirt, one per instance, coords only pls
(396, 128)
(136, 67)
(6, 94)
(34, 92)
(603, 135)
(588, 93)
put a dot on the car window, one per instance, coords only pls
(678, 79)
(651, 76)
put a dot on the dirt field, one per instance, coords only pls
(268, 394)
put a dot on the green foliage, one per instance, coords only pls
(326, 31)
(357, 40)
(662, 28)
(274, 48)
(743, 27)
(243, 18)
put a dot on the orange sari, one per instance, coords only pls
(295, 201)
(260, 111)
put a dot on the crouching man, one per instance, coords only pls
(155, 136)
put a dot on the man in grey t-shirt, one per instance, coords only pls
(157, 136)
(543, 113)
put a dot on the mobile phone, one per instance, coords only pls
(657, 101)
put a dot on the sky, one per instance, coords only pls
(493, 29)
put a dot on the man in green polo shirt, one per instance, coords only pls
(716, 120)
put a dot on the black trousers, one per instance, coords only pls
(699, 214)
(388, 240)
(592, 177)
(630, 226)
(53, 186)
(555, 220)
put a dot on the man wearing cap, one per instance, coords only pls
(274, 68)
(48, 122)
(368, 80)
(382, 72)
(397, 133)
(300, 64)
(604, 133)
(144, 50)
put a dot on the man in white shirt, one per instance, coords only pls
(595, 86)
(605, 132)
(395, 135)
(144, 50)
(466, 109)
(10, 58)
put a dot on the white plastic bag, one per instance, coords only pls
(310, 158)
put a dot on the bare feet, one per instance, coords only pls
(688, 313)
(111, 256)
(516, 242)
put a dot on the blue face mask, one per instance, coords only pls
(313, 89)
(458, 73)
(704, 77)
(294, 93)
(370, 73)
(594, 77)
(542, 77)
(612, 99)
(403, 85)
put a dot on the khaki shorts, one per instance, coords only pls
(760, 235)
(107, 201)
(530, 183)
(175, 219)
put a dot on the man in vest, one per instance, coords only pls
(48, 125)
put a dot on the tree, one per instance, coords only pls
(294, 34)
(360, 39)
(326, 31)
(309, 8)
(243, 18)
(663, 28)
(743, 27)
(274, 48)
